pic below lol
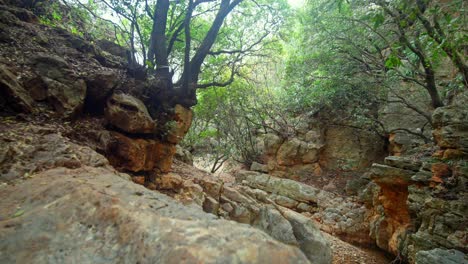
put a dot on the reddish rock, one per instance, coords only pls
(140, 154)
(170, 181)
(139, 180)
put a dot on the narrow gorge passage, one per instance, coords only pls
(233, 131)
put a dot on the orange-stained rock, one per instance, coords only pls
(453, 154)
(140, 154)
(169, 181)
(139, 180)
(441, 170)
(183, 121)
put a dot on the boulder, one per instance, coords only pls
(91, 215)
(180, 125)
(15, 95)
(129, 114)
(169, 181)
(273, 223)
(309, 237)
(285, 187)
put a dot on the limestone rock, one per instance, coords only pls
(129, 114)
(28, 149)
(403, 163)
(441, 256)
(183, 155)
(181, 124)
(169, 181)
(14, 94)
(387, 175)
(271, 144)
(91, 215)
(65, 90)
(451, 127)
(285, 187)
(211, 206)
(350, 149)
(310, 240)
(99, 87)
(273, 223)
(140, 154)
(259, 167)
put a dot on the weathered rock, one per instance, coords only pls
(90, 215)
(403, 163)
(271, 144)
(451, 127)
(139, 154)
(65, 90)
(183, 155)
(169, 181)
(273, 223)
(99, 87)
(310, 240)
(28, 149)
(210, 205)
(181, 124)
(441, 256)
(350, 149)
(285, 187)
(259, 167)
(387, 175)
(15, 95)
(129, 114)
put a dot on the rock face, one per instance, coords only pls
(334, 214)
(441, 256)
(315, 149)
(451, 131)
(420, 203)
(65, 90)
(91, 215)
(14, 94)
(137, 154)
(129, 114)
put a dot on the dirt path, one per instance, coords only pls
(345, 253)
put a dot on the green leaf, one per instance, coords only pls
(18, 213)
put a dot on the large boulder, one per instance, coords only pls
(91, 215)
(13, 93)
(309, 237)
(129, 114)
(285, 187)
